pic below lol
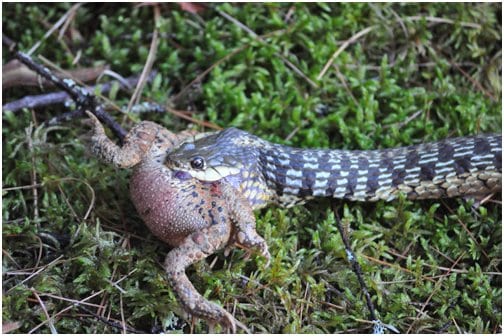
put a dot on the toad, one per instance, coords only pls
(196, 218)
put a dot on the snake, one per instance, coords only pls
(266, 172)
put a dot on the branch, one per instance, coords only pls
(82, 97)
(378, 326)
(62, 96)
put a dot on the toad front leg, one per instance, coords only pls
(244, 223)
(146, 141)
(136, 143)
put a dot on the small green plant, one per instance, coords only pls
(77, 258)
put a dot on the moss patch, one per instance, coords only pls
(418, 72)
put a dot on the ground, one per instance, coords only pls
(356, 76)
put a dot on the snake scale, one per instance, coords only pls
(266, 172)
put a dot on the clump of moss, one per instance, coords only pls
(418, 72)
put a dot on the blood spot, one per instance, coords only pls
(198, 238)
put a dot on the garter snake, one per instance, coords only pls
(266, 172)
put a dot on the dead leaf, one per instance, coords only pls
(191, 7)
(10, 326)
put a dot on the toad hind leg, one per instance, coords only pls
(195, 247)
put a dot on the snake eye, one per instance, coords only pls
(198, 162)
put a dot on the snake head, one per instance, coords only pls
(213, 156)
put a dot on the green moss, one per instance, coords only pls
(407, 81)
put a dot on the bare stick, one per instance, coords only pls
(135, 98)
(60, 22)
(343, 47)
(82, 97)
(378, 326)
(62, 96)
(67, 116)
(355, 266)
(443, 20)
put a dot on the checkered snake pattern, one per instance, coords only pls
(266, 172)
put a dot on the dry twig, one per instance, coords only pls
(137, 94)
(58, 24)
(49, 319)
(342, 48)
(82, 97)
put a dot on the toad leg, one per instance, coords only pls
(242, 215)
(195, 247)
(137, 143)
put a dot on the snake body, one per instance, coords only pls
(265, 172)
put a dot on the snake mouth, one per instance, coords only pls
(212, 174)
(169, 163)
